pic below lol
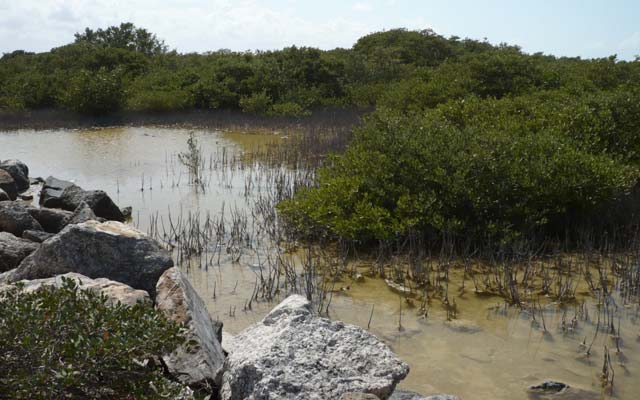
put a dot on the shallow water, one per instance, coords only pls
(489, 352)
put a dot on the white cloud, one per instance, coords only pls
(187, 25)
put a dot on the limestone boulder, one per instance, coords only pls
(409, 395)
(36, 236)
(13, 250)
(115, 292)
(8, 185)
(109, 250)
(18, 171)
(15, 218)
(57, 193)
(200, 363)
(52, 220)
(293, 354)
(4, 196)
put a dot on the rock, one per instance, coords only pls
(36, 236)
(57, 193)
(82, 213)
(126, 211)
(293, 354)
(19, 171)
(8, 185)
(52, 190)
(359, 396)
(52, 220)
(109, 250)
(548, 387)
(227, 342)
(13, 250)
(409, 395)
(15, 218)
(26, 196)
(116, 292)
(4, 196)
(553, 390)
(200, 364)
(98, 200)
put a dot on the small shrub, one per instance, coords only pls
(71, 344)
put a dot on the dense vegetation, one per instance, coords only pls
(467, 138)
(71, 344)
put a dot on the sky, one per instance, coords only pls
(585, 28)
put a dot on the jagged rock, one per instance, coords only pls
(52, 190)
(36, 236)
(98, 200)
(98, 250)
(227, 340)
(115, 292)
(200, 364)
(126, 211)
(294, 354)
(82, 213)
(4, 196)
(19, 171)
(57, 193)
(553, 390)
(15, 218)
(549, 387)
(409, 395)
(52, 220)
(8, 185)
(359, 396)
(13, 250)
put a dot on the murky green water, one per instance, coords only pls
(489, 352)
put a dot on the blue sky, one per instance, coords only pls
(587, 28)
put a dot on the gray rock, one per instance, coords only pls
(51, 193)
(98, 200)
(554, 390)
(294, 354)
(4, 196)
(13, 250)
(200, 364)
(15, 218)
(82, 213)
(227, 341)
(98, 250)
(8, 185)
(36, 236)
(409, 395)
(19, 171)
(115, 292)
(549, 387)
(52, 220)
(57, 193)
(359, 396)
(127, 211)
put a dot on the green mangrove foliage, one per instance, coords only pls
(128, 68)
(492, 170)
(72, 344)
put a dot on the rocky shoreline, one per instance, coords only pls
(291, 354)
